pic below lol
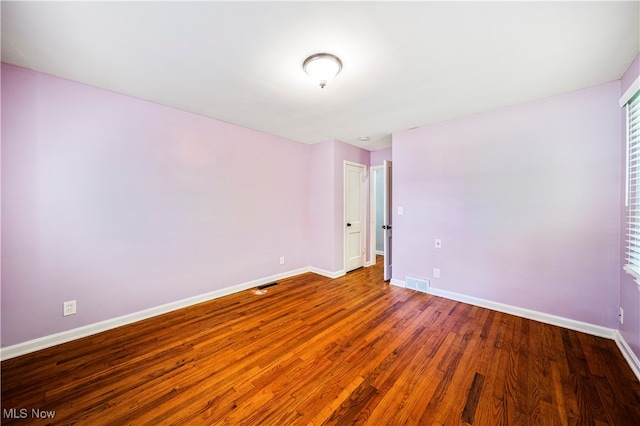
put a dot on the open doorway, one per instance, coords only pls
(381, 226)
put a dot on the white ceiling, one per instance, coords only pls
(404, 64)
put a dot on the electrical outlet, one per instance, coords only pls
(621, 315)
(69, 308)
(436, 273)
(282, 260)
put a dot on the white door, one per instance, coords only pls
(354, 215)
(387, 220)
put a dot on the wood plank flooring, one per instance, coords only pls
(315, 351)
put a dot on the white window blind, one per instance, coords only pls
(633, 186)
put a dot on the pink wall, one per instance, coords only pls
(630, 74)
(125, 205)
(526, 202)
(322, 219)
(629, 290)
(377, 157)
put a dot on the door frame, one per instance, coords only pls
(373, 200)
(388, 215)
(344, 211)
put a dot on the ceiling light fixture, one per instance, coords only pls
(323, 67)
(364, 138)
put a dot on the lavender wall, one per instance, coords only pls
(377, 157)
(630, 74)
(526, 202)
(124, 205)
(629, 290)
(322, 218)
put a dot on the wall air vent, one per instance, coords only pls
(417, 284)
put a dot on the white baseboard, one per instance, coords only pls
(380, 252)
(397, 283)
(584, 327)
(325, 273)
(596, 330)
(628, 354)
(88, 330)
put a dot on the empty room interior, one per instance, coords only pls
(312, 213)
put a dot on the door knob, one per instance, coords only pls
(386, 226)
(348, 224)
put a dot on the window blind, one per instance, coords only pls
(633, 185)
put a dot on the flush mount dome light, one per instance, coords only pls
(323, 67)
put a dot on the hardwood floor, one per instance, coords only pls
(317, 351)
